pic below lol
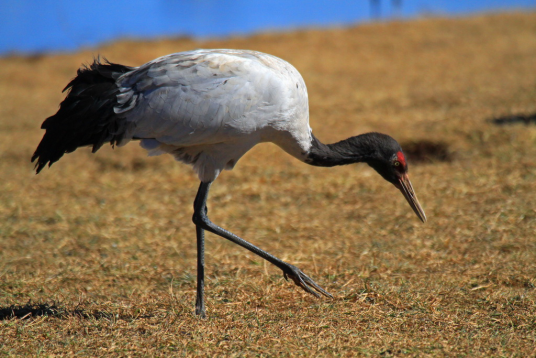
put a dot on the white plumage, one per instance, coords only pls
(209, 107)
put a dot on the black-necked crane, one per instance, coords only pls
(207, 108)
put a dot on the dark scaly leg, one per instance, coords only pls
(200, 233)
(202, 223)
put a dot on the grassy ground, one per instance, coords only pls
(98, 253)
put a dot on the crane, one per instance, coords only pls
(207, 108)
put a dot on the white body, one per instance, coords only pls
(209, 107)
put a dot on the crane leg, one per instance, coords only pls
(200, 233)
(200, 299)
(202, 222)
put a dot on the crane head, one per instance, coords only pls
(389, 161)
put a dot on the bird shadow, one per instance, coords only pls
(526, 119)
(427, 151)
(33, 310)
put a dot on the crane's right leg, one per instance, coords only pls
(202, 222)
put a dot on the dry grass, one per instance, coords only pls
(98, 253)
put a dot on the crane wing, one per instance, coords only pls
(196, 97)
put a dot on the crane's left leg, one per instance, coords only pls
(200, 232)
(200, 299)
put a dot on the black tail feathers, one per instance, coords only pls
(86, 116)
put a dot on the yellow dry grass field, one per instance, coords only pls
(98, 252)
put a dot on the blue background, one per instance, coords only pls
(32, 26)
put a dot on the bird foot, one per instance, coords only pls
(200, 306)
(304, 281)
(200, 311)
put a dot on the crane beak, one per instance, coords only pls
(404, 185)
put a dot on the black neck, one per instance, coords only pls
(348, 151)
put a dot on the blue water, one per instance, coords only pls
(33, 26)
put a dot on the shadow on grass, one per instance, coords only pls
(427, 151)
(30, 310)
(515, 119)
